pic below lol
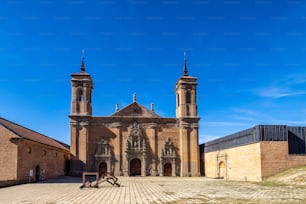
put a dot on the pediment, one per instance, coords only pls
(136, 110)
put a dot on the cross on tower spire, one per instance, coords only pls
(185, 65)
(82, 65)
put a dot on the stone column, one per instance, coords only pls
(161, 172)
(85, 99)
(173, 167)
(73, 98)
(143, 164)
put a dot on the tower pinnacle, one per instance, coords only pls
(185, 65)
(82, 65)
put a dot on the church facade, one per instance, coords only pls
(134, 141)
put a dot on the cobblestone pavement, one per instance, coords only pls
(152, 190)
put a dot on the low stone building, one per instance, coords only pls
(26, 155)
(256, 153)
(134, 140)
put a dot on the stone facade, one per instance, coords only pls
(23, 151)
(135, 140)
(238, 163)
(256, 153)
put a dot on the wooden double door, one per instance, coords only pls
(135, 167)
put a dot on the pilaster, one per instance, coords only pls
(152, 133)
(184, 148)
(118, 148)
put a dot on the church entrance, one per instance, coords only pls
(37, 173)
(168, 169)
(102, 169)
(135, 167)
(221, 170)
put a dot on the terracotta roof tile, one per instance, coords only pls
(26, 133)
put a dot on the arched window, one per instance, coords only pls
(178, 99)
(188, 97)
(80, 95)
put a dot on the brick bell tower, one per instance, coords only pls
(80, 116)
(187, 115)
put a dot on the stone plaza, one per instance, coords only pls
(152, 190)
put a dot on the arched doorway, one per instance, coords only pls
(135, 167)
(221, 169)
(102, 169)
(168, 169)
(37, 173)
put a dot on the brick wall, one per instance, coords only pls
(154, 144)
(275, 158)
(8, 156)
(51, 161)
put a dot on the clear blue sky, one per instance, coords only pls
(249, 57)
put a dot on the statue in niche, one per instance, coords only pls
(136, 138)
(168, 148)
(135, 131)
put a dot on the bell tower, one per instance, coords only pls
(81, 92)
(188, 120)
(186, 87)
(80, 117)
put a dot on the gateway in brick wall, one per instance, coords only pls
(134, 140)
(254, 154)
(26, 155)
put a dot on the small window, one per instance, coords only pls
(55, 154)
(44, 152)
(178, 99)
(29, 150)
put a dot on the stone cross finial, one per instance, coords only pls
(134, 97)
(185, 65)
(82, 65)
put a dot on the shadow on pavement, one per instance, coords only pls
(63, 179)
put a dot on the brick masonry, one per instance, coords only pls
(112, 145)
(8, 155)
(19, 156)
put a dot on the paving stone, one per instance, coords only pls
(151, 190)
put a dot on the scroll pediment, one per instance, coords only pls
(135, 109)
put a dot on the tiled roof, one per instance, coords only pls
(26, 133)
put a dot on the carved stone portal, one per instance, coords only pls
(104, 158)
(168, 159)
(136, 152)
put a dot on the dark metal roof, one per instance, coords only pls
(256, 134)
